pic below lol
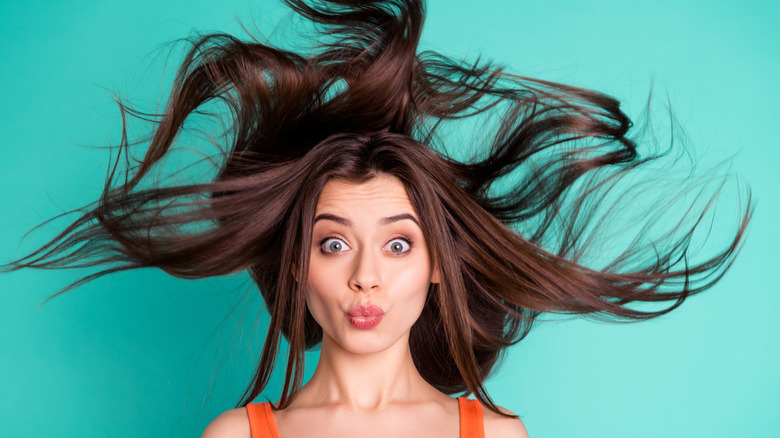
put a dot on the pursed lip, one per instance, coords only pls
(365, 311)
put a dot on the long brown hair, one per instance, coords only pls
(366, 103)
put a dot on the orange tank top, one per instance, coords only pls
(261, 419)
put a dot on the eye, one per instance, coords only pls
(398, 246)
(333, 245)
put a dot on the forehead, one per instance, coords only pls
(383, 193)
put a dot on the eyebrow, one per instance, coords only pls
(384, 221)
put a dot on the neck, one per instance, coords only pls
(363, 381)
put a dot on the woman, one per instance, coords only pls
(369, 273)
(366, 109)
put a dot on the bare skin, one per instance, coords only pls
(367, 249)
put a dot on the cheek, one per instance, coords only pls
(318, 307)
(318, 293)
(411, 289)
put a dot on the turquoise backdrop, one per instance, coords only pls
(144, 355)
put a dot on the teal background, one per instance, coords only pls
(143, 354)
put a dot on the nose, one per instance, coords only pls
(366, 275)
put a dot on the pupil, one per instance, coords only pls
(335, 246)
(397, 247)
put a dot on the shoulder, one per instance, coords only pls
(498, 426)
(229, 424)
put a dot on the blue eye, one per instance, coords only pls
(398, 246)
(333, 244)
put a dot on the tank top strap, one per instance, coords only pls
(261, 420)
(471, 425)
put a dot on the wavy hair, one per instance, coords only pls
(365, 103)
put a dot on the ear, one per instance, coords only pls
(294, 272)
(435, 274)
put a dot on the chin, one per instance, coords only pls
(371, 341)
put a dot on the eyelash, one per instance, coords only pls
(408, 241)
(322, 244)
(404, 239)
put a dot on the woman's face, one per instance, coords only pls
(370, 266)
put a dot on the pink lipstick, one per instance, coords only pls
(365, 317)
